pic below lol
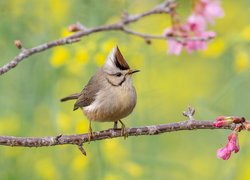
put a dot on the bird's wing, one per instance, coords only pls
(89, 92)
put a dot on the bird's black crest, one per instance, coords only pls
(120, 61)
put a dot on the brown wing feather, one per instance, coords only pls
(89, 92)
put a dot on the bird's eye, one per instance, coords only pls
(118, 74)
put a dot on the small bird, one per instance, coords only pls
(109, 95)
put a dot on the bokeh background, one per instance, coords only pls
(215, 82)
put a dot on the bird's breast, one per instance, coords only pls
(112, 104)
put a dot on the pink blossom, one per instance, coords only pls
(195, 45)
(213, 10)
(174, 47)
(223, 153)
(220, 118)
(233, 144)
(196, 23)
(223, 120)
(218, 123)
(209, 9)
(193, 33)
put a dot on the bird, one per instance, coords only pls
(109, 95)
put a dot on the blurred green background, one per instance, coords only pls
(215, 82)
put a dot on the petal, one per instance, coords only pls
(223, 153)
(174, 47)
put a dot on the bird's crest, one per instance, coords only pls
(116, 60)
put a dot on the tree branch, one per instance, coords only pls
(165, 8)
(79, 139)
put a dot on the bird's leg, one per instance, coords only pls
(90, 134)
(123, 130)
(115, 124)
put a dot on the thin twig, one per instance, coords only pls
(165, 8)
(79, 139)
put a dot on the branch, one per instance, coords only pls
(165, 7)
(79, 139)
(238, 123)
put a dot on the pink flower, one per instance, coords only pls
(195, 45)
(223, 121)
(192, 35)
(223, 153)
(221, 118)
(213, 10)
(233, 143)
(231, 146)
(209, 9)
(218, 124)
(196, 23)
(227, 120)
(174, 47)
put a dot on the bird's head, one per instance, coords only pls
(117, 69)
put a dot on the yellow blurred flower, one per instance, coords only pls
(137, 60)
(59, 56)
(90, 46)
(59, 10)
(81, 56)
(65, 32)
(243, 172)
(82, 126)
(74, 68)
(160, 46)
(10, 125)
(79, 162)
(245, 34)
(108, 45)
(100, 59)
(241, 61)
(63, 121)
(133, 169)
(112, 177)
(17, 7)
(215, 48)
(14, 152)
(114, 151)
(46, 169)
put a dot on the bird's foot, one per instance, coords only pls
(90, 133)
(115, 125)
(124, 132)
(90, 136)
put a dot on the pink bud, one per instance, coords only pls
(220, 118)
(218, 123)
(233, 144)
(223, 121)
(223, 153)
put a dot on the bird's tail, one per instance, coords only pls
(70, 97)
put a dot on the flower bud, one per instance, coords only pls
(73, 28)
(18, 44)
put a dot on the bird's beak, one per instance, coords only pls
(132, 71)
